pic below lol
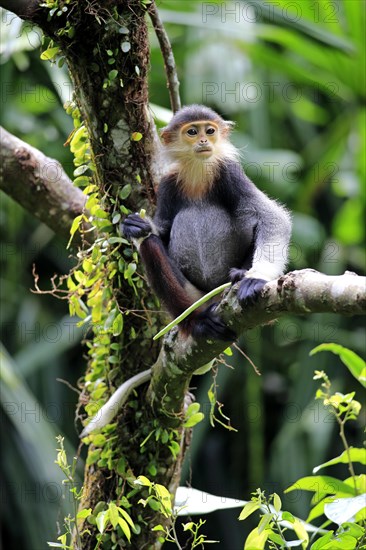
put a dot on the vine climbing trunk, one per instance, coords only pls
(105, 45)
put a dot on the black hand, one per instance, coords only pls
(237, 275)
(135, 227)
(250, 289)
(209, 325)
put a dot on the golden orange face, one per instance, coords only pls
(201, 136)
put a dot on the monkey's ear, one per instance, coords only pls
(166, 135)
(228, 126)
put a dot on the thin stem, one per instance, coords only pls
(347, 449)
(278, 526)
(176, 536)
(168, 56)
(76, 503)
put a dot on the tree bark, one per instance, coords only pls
(106, 48)
(40, 185)
(22, 8)
(300, 292)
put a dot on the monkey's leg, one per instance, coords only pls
(168, 282)
(171, 286)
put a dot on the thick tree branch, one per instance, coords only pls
(299, 292)
(39, 184)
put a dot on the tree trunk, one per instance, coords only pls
(106, 48)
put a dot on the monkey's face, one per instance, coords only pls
(200, 138)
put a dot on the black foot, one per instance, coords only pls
(250, 289)
(135, 227)
(209, 325)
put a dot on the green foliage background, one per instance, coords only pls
(292, 76)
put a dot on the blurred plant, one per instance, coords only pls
(70, 522)
(341, 501)
(159, 499)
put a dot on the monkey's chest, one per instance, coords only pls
(206, 244)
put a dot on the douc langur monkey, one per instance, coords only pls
(212, 225)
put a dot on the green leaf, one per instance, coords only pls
(126, 516)
(125, 191)
(355, 364)
(164, 495)
(276, 538)
(174, 448)
(256, 540)
(102, 520)
(193, 420)
(74, 227)
(301, 532)
(78, 140)
(99, 439)
(248, 510)
(93, 456)
(142, 480)
(353, 529)
(125, 528)
(50, 53)
(116, 240)
(80, 170)
(341, 542)
(84, 180)
(117, 326)
(136, 136)
(130, 270)
(326, 485)
(277, 502)
(192, 409)
(265, 522)
(112, 74)
(156, 506)
(113, 514)
(84, 513)
(355, 455)
(286, 516)
(322, 542)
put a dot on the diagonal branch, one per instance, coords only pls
(39, 184)
(299, 292)
(168, 56)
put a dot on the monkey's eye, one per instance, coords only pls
(192, 132)
(210, 131)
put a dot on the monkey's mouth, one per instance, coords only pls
(206, 150)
